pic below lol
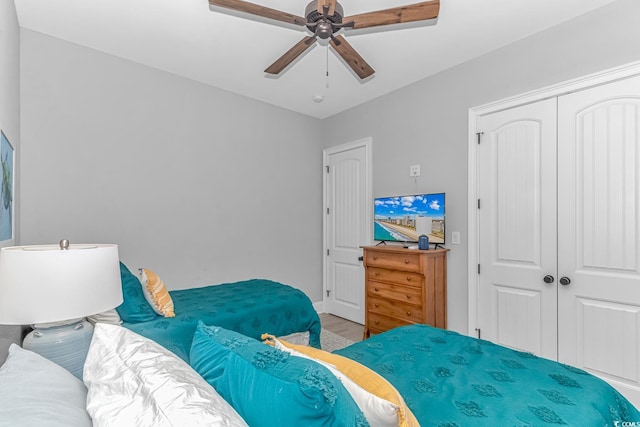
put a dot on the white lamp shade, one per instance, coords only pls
(41, 284)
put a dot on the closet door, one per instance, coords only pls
(599, 232)
(517, 228)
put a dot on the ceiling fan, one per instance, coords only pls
(325, 18)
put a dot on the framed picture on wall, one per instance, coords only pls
(7, 160)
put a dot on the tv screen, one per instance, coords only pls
(404, 218)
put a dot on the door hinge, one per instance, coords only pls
(328, 292)
(478, 331)
(478, 268)
(478, 203)
(479, 134)
(327, 211)
(327, 168)
(327, 252)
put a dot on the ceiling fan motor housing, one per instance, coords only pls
(324, 28)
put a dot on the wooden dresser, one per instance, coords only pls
(404, 286)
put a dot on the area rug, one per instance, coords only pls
(330, 341)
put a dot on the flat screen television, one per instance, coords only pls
(405, 218)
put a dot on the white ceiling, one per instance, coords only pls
(187, 38)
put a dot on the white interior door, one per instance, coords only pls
(599, 232)
(347, 227)
(517, 228)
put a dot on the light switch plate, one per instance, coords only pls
(414, 170)
(455, 237)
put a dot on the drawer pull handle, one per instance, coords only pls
(375, 289)
(377, 273)
(406, 261)
(375, 258)
(408, 313)
(408, 279)
(376, 305)
(408, 296)
(376, 322)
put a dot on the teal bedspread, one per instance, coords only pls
(448, 379)
(251, 307)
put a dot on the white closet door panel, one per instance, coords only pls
(606, 186)
(595, 321)
(518, 160)
(599, 233)
(518, 318)
(517, 228)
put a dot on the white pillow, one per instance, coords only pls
(110, 316)
(35, 391)
(378, 412)
(133, 381)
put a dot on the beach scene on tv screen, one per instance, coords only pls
(405, 218)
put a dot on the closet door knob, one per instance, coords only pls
(565, 281)
(548, 279)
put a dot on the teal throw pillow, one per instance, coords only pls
(268, 387)
(134, 308)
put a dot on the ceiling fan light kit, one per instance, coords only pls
(324, 18)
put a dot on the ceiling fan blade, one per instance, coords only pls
(351, 57)
(331, 4)
(286, 59)
(397, 15)
(255, 9)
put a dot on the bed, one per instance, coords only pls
(448, 379)
(442, 379)
(251, 307)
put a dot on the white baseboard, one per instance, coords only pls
(319, 306)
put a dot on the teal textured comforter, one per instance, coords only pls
(448, 379)
(251, 307)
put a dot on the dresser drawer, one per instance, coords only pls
(409, 261)
(402, 310)
(394, 292)
(395, 276)
(383, 323)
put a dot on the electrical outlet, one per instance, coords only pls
(414, 170)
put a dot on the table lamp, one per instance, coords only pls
(53, 288)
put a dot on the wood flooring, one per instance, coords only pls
(343, 327)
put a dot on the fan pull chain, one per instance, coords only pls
(327, 65)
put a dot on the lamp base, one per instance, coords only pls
(67, 345)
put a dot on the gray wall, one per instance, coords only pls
(10, 74)
(198, 184)
(9, 114)
(427, 123)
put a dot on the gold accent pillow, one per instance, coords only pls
(361, 375)
(156, 293)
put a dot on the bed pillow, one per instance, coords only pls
(269, 387)
(35, 391)
(109, 316)
(134, 307)
(156, 293)
(135, 381)
(364, 377)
